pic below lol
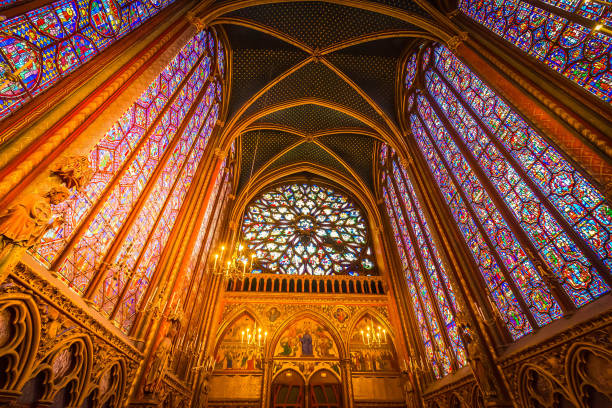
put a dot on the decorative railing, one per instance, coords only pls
(272, 283)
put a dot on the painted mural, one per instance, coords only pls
(368, 359)
(306, 338)
(231, 353)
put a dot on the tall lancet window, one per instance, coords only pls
(538, 230)
(570, 36)
(118, 226)
(431, 294)
(47, 43)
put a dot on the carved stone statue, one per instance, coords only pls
(409, 391)
(25, 222)
(160, 363)
(153, 384)
(479, 363)
(73, 171)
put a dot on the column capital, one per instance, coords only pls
(456, 41)
(219, 153)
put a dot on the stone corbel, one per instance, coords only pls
(196, 22)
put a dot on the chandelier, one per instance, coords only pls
(253, 337)
(236, 266)
(374, 337)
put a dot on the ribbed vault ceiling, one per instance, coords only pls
(314, 82)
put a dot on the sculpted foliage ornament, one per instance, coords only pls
(73, 171)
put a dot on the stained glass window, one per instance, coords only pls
(568, 45)
(45, 44)
(143, 168)
(538, 230)
(195, 274)
(308, 229)
(433, 299)
(140, 128)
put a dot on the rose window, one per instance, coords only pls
(307, 229)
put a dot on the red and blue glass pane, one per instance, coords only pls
(147, 265)
(591, 9)
(434, 325)
(411, 70)
(418, 311)
(196, 254)
(43, 45)
(107, 295)
(274, 223)
(577, 52)
(86, 254)
(576, 199)
(111, 153)
(512, 255)
(442, 290)
(499, 289)
(577, 275)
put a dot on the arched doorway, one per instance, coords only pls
(288, 390)
(324, 390)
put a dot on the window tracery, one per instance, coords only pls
(432, 297)
(537, 229)
(567, 35)
(43, 45)
(307, 229)
(119, 224)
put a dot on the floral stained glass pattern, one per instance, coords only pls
(497, 284)
(144, 230)
(414, 298)
(411, 70)
(432, 324)
(152, 252)
(308, 229)
(506, 245)
(45, 44)
(570, 48)
(140, 133)
(538, 230)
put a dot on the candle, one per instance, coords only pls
(242, 338)
(362, 337)
(215, 266)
